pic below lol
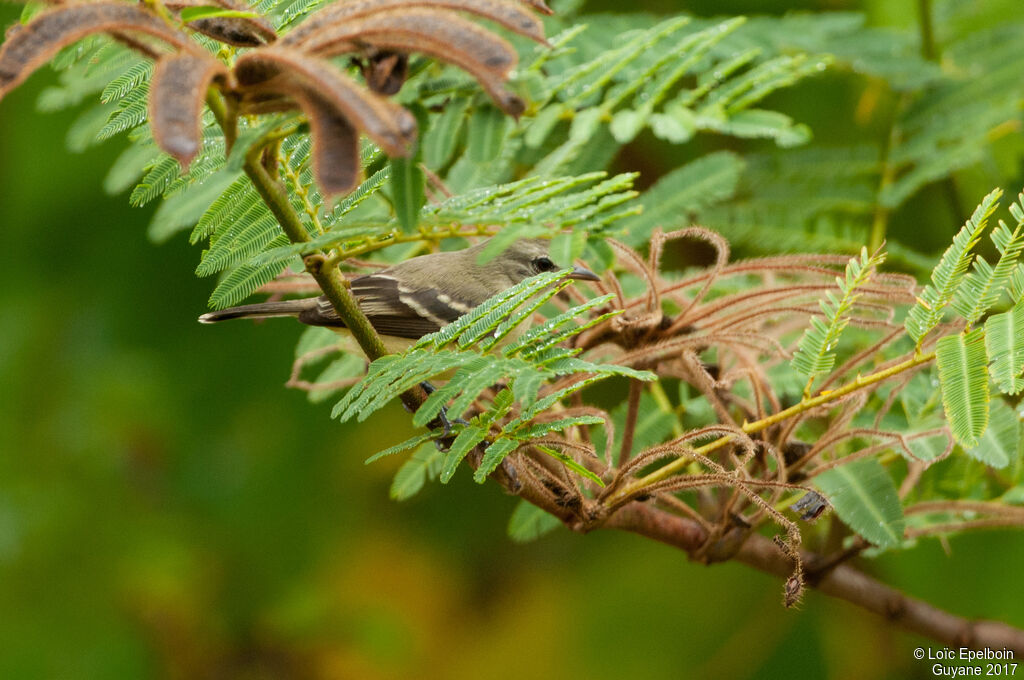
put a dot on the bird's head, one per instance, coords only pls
(529, 257)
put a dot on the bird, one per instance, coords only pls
(419, 296)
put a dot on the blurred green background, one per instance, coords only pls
(169, 510)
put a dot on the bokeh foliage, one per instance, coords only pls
(165, 509)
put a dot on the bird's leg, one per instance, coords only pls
(442, 416)
(444, 442)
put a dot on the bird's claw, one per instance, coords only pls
(443, 443)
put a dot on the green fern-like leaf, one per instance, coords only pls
(85, 70)
(493, 456)
(865, 498)
(491, 313)
(1004, 341)
(683, 192)
(164, 170)
(950, 272)
(135, 76)
(410, 443)
(468, 438)
(1001, 440)
(131, 111)
(964, 380)
(237, 200)
(949, 127)
(816, 352)
(241, 240)
(480, 362)
(184, 208)
(422, 466)
(528, 523)
(245, 279)
(983, 287)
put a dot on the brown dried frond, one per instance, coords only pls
(29, 46)
(337, 107)
(792, 265)
(439, 34)
(176, 96)
(721, 246)
(758, 298)
(902, 440)
(574, 411)
(636, 264)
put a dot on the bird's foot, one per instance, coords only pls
(443, 443)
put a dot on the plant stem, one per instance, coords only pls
(924, 8)
(636, 389)
(679, 464)
(930, 51)
(384, 240)
(880, 221)
(327, 276)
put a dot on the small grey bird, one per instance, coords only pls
(419, 296)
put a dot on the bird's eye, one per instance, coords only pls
(543, 264)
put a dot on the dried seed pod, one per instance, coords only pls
(30, 46)
(335, 146)
(301, 76)
(508, 14)
(385, 72)
(176, 96)
(266, 102)
(238, 31)
(446, 37)
(538, 5)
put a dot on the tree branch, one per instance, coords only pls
(326, 274)
(842, 581)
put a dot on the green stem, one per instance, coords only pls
(384, 240)
(880, 222)
(679, 464)
(930, 51)
(327, 276)
(927, 30)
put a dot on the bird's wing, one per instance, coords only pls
(393, 307)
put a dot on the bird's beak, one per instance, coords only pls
(583, 274)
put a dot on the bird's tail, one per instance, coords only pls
(262, 310)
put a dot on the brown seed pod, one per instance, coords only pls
(442, 35)
(385, 72)
(335, 146)
(387, 123)
(538, 5)
(334, 104)
(238, 31)
(508, 14)
(176, 96)
(30, 46)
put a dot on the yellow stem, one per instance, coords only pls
(679, 464)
